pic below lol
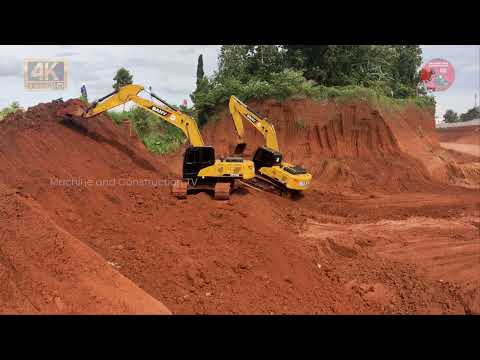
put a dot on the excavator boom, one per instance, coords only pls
(241, 111)
(165, 111)
(268, 160)
(199, 162)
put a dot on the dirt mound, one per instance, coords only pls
(47, 160)
(44, 269)
(460, 135)
(350, 146)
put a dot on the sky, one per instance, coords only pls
(465, 60)
(171, 71)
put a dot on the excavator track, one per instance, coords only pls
(264, 184)
(179, 189)
(222, 191)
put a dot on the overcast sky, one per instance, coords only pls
(171, 71)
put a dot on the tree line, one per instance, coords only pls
(258, 71)
(451, 116)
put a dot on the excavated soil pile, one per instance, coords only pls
(353, 146)
(44, 269)
(94, 203)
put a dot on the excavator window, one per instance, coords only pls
(266, 157)
(196, 158)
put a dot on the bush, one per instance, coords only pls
(13, 107)
(157, 135)
(139, 118)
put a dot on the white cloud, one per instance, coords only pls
(170, 70)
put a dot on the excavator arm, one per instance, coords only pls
(241, 111)
(269, 165)
(199, 161)
(164, 111)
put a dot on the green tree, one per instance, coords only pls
(471, 114)
(265, 60)
(122, 78)
(232, 62)
(391, 69)
(200, 93)
(450, 116)
(243, 62)
(13, 107)
(281, 71)
(200, 73)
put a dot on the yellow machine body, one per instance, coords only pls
(283, 173)
(243, 169)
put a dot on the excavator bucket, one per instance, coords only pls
(70, 110)
(240, 148)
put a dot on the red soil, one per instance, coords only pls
(460, 135)
(339, 249)
(44, 269)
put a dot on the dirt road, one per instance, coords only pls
(471, 149)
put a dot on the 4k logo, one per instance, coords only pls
(45, 74)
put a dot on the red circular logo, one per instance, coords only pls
(438, 75)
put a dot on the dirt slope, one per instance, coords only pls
(44, 269)
(255, 253)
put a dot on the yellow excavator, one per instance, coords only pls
(268, 160)
(201, 171)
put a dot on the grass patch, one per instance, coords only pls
(350, 93)
(158, 136)
(118, 116)
(10, 109)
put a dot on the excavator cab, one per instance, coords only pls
(196, 158)
(266, 157)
